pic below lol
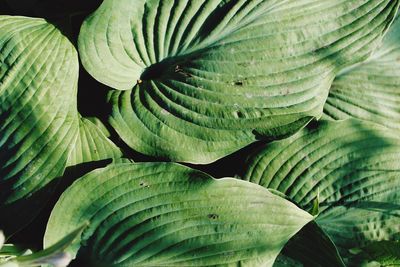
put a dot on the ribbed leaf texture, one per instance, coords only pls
(202, 79)
(39, 120)
(164, 214)
(371, 90)
(352, 166)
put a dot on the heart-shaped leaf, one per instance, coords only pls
(353, 166)
(164, 214)
(208, 77)
(370, 91)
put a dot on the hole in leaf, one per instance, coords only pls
(213, 216)
(143, 184)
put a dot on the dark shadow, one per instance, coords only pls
(31, 236)
(18, 212)
(92, 96)
(5, 8)
(312, 247)
(48, 9)
(66, 15)
(155, 71)
(229, 166)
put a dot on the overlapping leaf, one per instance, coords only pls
(371, 91)
(55, 256)
(92, 144)
(205, 78)
(39, 121)
(353, 166)
(379, 254)
(38, 82)
(163, 214)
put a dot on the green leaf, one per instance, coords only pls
(370, 91)
(54, 255)
(164, 214)
(41, 132)
(355, 168)
(383, 253)
(315, 206)
(12, 251)
(38, 125)
(206, 78)
(92, 144)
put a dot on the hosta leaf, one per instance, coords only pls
(164, 214)
(38, 125)
(206, 78)
(381, 254)
(92, 144)
(355, 168)
(371, 91)
(41, 131)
